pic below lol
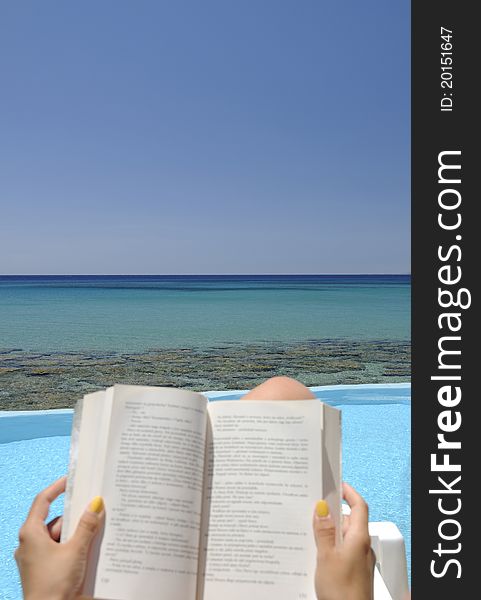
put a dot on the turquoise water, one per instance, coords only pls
(138, 313)
(376, 460)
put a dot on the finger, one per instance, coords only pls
(55, 528)
(358, 521)
(89, 524)
(324, 529)
(41, 504)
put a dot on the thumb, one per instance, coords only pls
(89, 524)
(324, 529)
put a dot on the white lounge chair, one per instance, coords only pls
(391, 574)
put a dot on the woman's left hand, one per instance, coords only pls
(49, 570)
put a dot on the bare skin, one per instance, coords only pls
(279, 388)
(346, 572)
(50, 570)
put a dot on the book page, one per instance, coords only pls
(263, 478)
(87, 456)
(72, 469)
(152, 487)
(331, 441)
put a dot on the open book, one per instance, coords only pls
(204, 500)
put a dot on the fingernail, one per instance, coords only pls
(322, 509)
(96, 505)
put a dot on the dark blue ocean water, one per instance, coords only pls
(133, 313)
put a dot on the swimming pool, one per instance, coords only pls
(376, 460)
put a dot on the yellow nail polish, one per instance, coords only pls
(96, 504)
(322, 508)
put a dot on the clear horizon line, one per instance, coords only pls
(185, 274)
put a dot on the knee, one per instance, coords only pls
(280, 388)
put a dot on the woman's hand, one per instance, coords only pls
(346, 572)
(49, 570)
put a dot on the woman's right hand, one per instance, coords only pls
(345, 572)
(49, 570)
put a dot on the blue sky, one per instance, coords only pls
(255, 136)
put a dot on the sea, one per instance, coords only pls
(75, 333)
